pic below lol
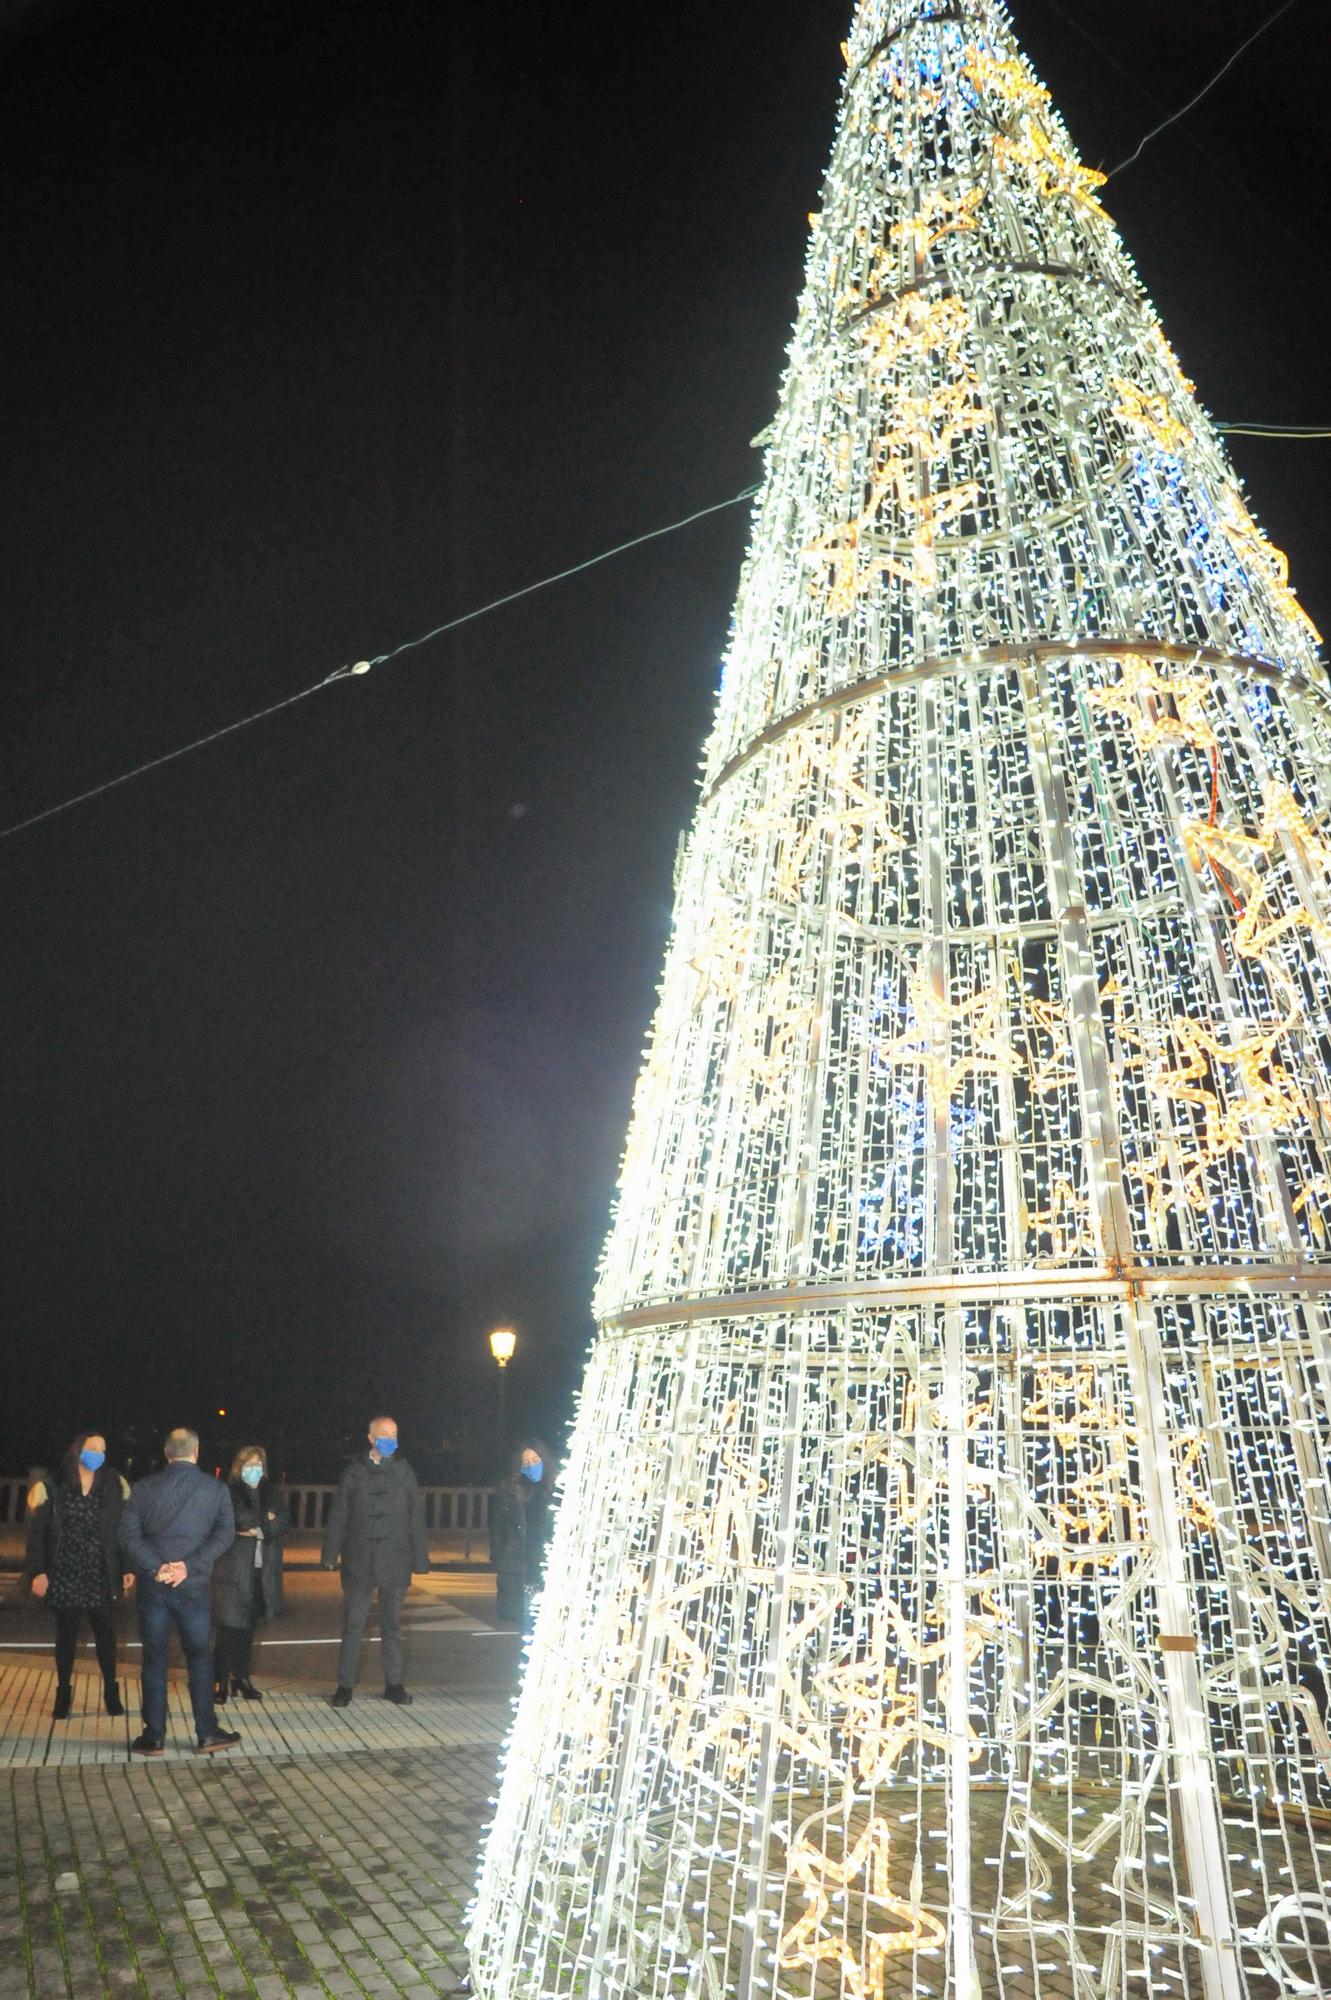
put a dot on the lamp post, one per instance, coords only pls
(502, 1343)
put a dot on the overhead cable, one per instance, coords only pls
(1205, 91)
(379, 660)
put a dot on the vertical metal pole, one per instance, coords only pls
(501, 1422)
(1194, 1777)
(953, 1579)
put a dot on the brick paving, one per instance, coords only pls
(293, 1720)
(333, 1856)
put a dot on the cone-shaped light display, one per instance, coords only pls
(939, 1599)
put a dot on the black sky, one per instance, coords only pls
(326, 321)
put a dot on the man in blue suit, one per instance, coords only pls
(174, 1527)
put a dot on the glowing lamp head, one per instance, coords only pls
(502, 1342)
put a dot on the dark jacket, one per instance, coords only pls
(377, 1523)
(508, 1528)
(260, 1507)
(178, 1515)
(47, 1516)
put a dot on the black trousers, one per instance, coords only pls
(357, 1596)
(102, 1618)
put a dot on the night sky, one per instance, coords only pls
(325, 322)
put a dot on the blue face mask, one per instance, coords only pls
(533, 1472)
(92, 1459)
(251, 1474)
(385, 1446)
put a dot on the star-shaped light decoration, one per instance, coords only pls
(911, 1484)
(1067, 1223)
(1260, 1099)
(820, 786)
(1256, 553)
(1100, 1511)
(924, 428)
(1245, 861)
(941, 213)
(916, 328)
(765, 1063)
(1005, 83)
(722, 954)
(720, 1529)
(1263, 1099)
(1055, 1388)
(930, 1044)
(1159, 708)
(855, 1948)
(1046, 1040)
(614, 1649)
(1151, 415)
(1054, 174)
(880, 1717)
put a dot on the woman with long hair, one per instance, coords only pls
(74, 1564)
(248, 1578)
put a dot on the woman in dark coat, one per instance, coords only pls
(521, 1516)
(248, 1577)
(73, 1561)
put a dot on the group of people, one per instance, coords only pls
(190, 1545)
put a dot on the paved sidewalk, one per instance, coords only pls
(293, 1720)
(333, 1855)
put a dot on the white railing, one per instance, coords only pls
(457, 1518)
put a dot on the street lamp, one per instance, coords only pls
(502, 1343)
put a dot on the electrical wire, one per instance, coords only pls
(379, 660)
(1205, 91)
(652, 535)
(169, 756)
(1275, 430)
(1293, 431)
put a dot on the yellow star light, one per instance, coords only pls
(928, 1044)
(1240, 856)
(940, 214)
(1066, 1222)
(916, 329)
(1053, 172)
(1263, 1098)
(1256, 553)
(765, 1062)
(1047, 1037)
(1004, 81)
(857, 1952)
(1159, 708)
(1151, 414)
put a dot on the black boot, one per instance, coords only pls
(111, 1699)
(220, 1693)
(241, 1684)
(63, 1696)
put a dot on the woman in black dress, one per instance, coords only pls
(73, 1560)
(248, 1578)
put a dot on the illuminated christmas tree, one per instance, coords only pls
(940, 1599)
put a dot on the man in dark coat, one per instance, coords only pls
(174, 1527)
(377, 1528)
